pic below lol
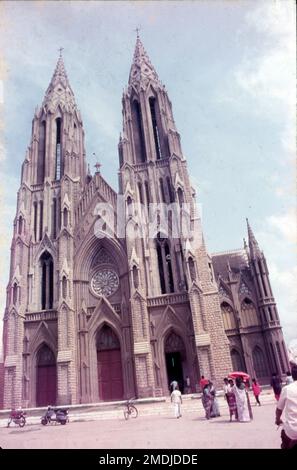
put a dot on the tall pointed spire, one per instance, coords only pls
(253, 244)
(59, 91)
(142, 69)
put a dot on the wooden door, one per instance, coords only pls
(110, 377)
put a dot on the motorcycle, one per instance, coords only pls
(17, 417)
(57, 415)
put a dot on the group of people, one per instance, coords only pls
(238, 399)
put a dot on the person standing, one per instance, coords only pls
(287, 405)
(214, 410)
(276, 384)
(256, 390)
(231, 400)
(176, 399)
(226, 388)
(173, 385)
(188, 384)
(241, 400)
(207, 400)
(203, 382)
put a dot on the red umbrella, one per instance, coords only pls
(243, 375)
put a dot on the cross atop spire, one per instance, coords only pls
(60, 51)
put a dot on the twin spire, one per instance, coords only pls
(59, 92)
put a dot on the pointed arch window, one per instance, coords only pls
(54, 218)
(107, 339)
(47, 281)
(65, 217)
(64, 287)
(58, 150)
(161, 270)
(138, 133)
(192, 269)
(35, 219)
(165, 265)
(259, 363)
(140, 192)
(147, 193)
(249, 315)
(129, 207)
(170, 190)
(15, 293)
(228, 316)
(135, 277)
(20, 225)
(163, 197)
(180, 196)
(169, 267)
(40, 219)
(41, 153)
(152, 103)
(237, 361)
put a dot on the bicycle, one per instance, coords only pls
(130, 410)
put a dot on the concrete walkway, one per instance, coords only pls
(146, 407)
(155, 428)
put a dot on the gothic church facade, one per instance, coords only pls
(91, 318)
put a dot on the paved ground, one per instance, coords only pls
(149, 432)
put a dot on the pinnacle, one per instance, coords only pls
(253, 244)
(142, 67)
(59, 91)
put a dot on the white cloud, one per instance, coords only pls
(278, 238)
(286, 224)
(264, 81)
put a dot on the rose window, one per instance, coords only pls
(105, 282)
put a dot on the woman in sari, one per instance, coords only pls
(207, 400)
(231, 400)
(214, 411)
(241, 401)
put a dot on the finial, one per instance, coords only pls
(97, 164)
(60, 51)
(137, 31)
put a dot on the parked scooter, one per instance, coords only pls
(57, 415)
(17, 417)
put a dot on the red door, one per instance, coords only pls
(110, 379)
(46, 385)
(46, 377)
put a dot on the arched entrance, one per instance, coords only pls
(175, 356)
(237, 361)
(109, 362)
(46, 377)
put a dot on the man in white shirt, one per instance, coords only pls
(176, 399)
(287, 404)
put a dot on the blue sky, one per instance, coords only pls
(229, 69)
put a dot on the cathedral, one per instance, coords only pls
(106, 300)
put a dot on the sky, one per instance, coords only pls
(229, 68)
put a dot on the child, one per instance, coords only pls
(257, 390)
(176, 398)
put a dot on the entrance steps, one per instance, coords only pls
(157, 406)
